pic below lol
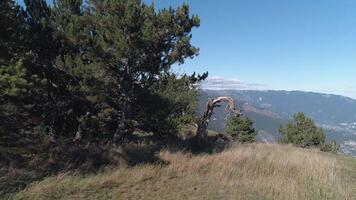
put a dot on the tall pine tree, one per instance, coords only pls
(94, 70)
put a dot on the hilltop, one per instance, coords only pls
(254, 171)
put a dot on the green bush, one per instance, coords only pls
(332, 147)
(241, 129)
(304, 133)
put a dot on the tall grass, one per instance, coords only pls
(256, 171)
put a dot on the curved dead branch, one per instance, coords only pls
(211, 104)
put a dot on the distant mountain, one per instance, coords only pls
(269, 109)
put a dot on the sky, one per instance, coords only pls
(275, 44)
(307, 45)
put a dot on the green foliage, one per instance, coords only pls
(241, 129)
(170, 106)
(78, 76)
(11, 26)
(97, 69)
(332, 147)
(305, 133)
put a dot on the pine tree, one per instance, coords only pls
(303, 133)
(89, 70)
(241, 129)
(14, 84)
(11, 26)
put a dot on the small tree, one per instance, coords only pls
(330, 147)
(241, 129)
(305, 133)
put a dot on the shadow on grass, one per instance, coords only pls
(65, 156)
(146, 149)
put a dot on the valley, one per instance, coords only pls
(269, 109)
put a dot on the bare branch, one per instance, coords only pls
(211, 104)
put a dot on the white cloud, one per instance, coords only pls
(219, 83)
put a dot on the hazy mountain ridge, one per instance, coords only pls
(268, 109)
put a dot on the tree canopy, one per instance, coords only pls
(95, 70)
(241, 129)
(304, 133)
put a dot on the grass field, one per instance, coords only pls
(255, 171)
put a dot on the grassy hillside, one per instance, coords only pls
(256, 171)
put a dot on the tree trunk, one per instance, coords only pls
(202, 131)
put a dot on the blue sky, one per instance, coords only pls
(276, 44)
(305, 45)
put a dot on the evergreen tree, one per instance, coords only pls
(171, 105)
(11, 34)
(241, 129)
(305, 133)
(332, 147)
(16, 82)
(139, 45)
(95, 70)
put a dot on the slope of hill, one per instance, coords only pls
(255, 171)
(268, 109)
(324, 108)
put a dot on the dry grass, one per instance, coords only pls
(256, 171)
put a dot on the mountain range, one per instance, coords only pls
(269, 109)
